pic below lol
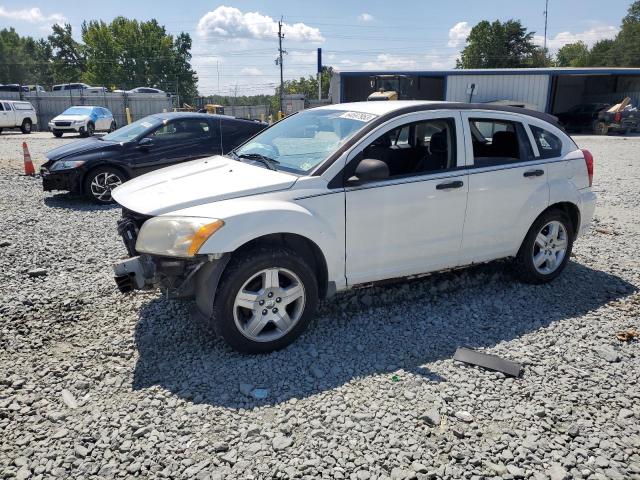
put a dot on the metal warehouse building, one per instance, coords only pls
(551, 90)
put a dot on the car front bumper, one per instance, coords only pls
(70, 128)
(67, 180)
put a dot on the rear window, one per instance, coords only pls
(549, 145)
(23, 106)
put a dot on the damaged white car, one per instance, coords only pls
(348, 195)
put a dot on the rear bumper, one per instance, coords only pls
(68, 180)
(587, 209)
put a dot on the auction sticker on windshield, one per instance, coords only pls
(361, 116)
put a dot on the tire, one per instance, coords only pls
(600, 128)
(0, 130)
(57, 133)
(26, 126)
(99, 182)
(112, 127)
(250, 272)
(89, 131)
(533, 248)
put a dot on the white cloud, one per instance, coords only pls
(231, 23)
(366, 17)
(32, 15)
(591, 36)
(251, 71)
(458, 34)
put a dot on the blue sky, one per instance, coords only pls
(235, 43)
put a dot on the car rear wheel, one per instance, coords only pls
(546, 248)
(100, 182)
(26, 126)
(57, 133)
(265, 300)
(600, 128)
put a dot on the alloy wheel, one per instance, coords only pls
(550, 247)
(102, 184)
(269, 304)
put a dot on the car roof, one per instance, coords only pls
(399, 107)
(174, 115)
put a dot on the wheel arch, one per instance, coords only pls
(568, 208)
(304, 246)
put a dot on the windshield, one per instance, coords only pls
(77, 111)
(303, 141)
(133, 130)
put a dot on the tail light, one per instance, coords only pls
(588, 159)
(617, 117)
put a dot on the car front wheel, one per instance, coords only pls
(100, 182)
(266, 299)
(57, 133)
(546, 248)
(89, 131)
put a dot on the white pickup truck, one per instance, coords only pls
(17, 114)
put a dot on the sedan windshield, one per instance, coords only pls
(133, 130)
(303, 141)
(77, 111)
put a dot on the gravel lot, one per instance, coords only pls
(97, 385)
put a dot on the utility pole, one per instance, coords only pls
(279, 62)
(546, 14)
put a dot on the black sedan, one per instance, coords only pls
(95, 166)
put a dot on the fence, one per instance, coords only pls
(51, 104)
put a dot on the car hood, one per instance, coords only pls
(80, 147)
(69, 118)
(198, 182)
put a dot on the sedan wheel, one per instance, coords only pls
(269, 305)
(550, 247)
(101, 183)
(546, 249)
(266, 298)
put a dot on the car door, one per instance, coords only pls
(7, 116)
(176, 141)
(508, 186)
(410, 222)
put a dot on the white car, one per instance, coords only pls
(348, 195)
(85, 120)
(17, 114)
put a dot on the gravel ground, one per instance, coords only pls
(97, 385)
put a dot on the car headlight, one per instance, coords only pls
(66, 165)
(175, 236)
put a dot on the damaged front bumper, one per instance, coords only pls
(146, 272)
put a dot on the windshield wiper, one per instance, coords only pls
(269, 162)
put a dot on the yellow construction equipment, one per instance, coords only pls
(389, 87)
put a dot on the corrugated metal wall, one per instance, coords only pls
(531, 89)
(51, 104)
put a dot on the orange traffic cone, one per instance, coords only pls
(28, 164)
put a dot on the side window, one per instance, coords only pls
(549, 145)
(180, 130)
(7, 106)
(498, 142)
(416, 148)
(1, 108)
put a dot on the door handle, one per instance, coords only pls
(533, 173)
(449, 185)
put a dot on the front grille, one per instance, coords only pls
(128, 228)
(63, 124)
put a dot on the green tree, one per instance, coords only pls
(573, 55)
(501, 45)
(68, 55)
(126, 54)
(626, 50)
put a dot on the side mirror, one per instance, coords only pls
(370, 169)
(145, 142)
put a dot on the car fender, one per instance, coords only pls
(537, 203)
(253, 217)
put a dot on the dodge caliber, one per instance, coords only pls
(348, 195)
